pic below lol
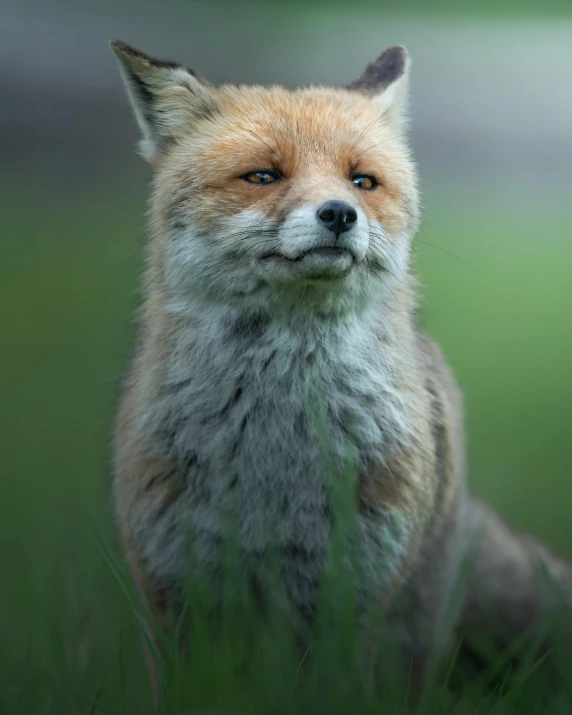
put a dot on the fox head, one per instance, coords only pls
(273, 200)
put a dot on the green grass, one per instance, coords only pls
(70, 635)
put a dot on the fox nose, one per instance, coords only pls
(338, 216)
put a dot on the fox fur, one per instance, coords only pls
(248, 330)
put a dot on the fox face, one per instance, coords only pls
(272, 200)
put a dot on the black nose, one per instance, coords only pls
(338, 216)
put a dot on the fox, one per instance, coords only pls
(279, 286)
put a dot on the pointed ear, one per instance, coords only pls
(387, 81)
(166, 97)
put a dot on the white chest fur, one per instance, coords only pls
(261, 417)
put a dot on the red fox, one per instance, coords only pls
(279, 281)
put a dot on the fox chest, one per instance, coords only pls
(264, 451)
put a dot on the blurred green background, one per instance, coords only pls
(492, 133)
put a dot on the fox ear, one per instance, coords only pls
(387, 81)
(166, 97)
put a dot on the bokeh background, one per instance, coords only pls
(492, 133)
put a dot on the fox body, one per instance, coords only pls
(278, 343)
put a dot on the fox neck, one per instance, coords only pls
(390, 321)
(212, 345)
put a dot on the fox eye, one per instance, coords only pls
(364, 181)
(261, 177)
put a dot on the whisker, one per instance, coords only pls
(384, 267)
(386, 270)
(373, 262)
(276, 140)
(388, 287)
(438, 248)
(363, 133)
(384, 253)
(257, 136)
(371, 146)
(378, 119)
(387, 109)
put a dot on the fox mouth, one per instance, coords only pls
(325, 262)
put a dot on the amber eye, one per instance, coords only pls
(364, 181)
(262, 177)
